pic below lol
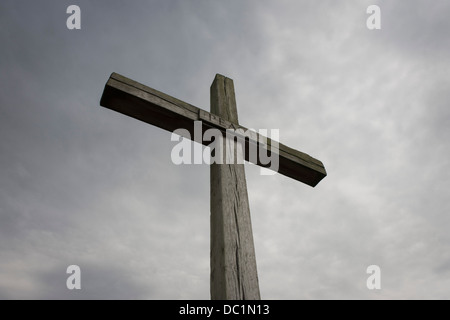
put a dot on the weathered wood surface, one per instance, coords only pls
(151, 106)
(233, 263)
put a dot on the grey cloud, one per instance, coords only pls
(80, 184)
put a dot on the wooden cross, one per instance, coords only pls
(233, 264)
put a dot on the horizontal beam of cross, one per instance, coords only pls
(159, 109)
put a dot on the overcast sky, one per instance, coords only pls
(84, 185)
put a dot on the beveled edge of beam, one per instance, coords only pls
(154, 92)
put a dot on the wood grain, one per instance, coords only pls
(233, 263)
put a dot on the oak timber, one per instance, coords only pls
(233, 263)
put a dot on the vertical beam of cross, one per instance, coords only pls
(233, 263)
